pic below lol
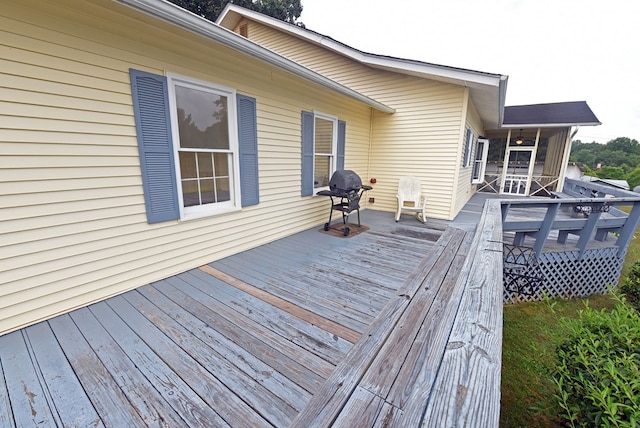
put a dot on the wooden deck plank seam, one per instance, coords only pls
(236, 364)
(291, 308)
(174, 289)
(324, 344)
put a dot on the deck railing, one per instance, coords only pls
(589, 217)
(468, 384)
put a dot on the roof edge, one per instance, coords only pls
(168, 12)
(548, 125)
(443, 71)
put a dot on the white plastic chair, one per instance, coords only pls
(410, 198)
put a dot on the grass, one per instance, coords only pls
(528, 353)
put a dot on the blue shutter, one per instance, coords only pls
(248, 150)
(153, 127)
(342, 131)
(307, 153)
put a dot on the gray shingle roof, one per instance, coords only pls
(566, 113)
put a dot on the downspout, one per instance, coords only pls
(565, 158)
(371, 113)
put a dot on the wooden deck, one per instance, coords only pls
(310, 330)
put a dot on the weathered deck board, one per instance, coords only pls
(187, 402)
(467, 388)
(29, 402)
(147, 400)
(307, 369)
(312, 338)
(308, 296)
(348, 290)
(327, 403)
(341, 304)
(219, 397)
(259, 343)
(110, 402)
(6, 417)
(233, 363)
(383, 373)
(71, 404)
(227, 384)
(306, 315)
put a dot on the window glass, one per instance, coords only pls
(203, 119)
(480, 161)
(205, 146)
(324, 146)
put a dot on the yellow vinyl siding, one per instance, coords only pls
(73, 227)
(423, 137)
(464, 188)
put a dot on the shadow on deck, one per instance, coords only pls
(310, 330)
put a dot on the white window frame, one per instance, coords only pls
(233, 204)
(334, 146)
(480, 162)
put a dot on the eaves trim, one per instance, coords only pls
(175, 15)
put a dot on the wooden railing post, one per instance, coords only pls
(547, 223)
(629, 228)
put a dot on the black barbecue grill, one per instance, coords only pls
(345, 191)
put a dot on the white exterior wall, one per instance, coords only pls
(73, 227)
(423, 137)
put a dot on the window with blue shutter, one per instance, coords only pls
(342, 131)
(198, 158)
(323, 146)
(307, 153)
(248, 150)
(151, 109)
(468, 148)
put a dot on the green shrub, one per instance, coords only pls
(598, 373)
(631, 286)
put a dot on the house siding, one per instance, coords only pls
(464, 188)
(74, 228)
(423, 137)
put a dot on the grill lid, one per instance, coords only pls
(345, 181)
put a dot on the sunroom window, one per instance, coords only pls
(205, 143)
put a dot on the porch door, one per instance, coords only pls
(516, 174)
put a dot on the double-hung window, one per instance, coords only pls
(205, 145)
(324, 149)
(480, 161)
(198, 147)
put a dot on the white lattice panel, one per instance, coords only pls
(566, 276)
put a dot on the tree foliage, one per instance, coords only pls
(284, 10)
(619, 159)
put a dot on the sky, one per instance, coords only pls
(552, 50)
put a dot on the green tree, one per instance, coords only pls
(633, 178)
(284, 10)
(611, 172)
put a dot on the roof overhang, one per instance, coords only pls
(563, 114)
(170, 13)
(487, 90)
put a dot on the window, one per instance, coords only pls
(198, 147)
(468, 148)
(480, 161)
(323, 147)
(202, 116)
